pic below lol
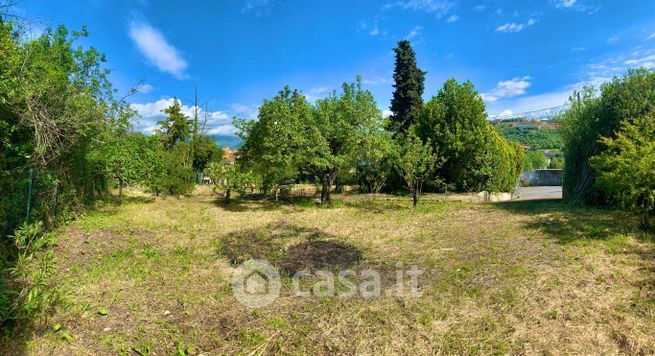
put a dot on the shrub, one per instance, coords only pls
(476, 157)
(592, 117)
(626, 169)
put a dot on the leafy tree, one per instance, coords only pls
(534, 160)
(416, 162)
(557, 161)
(229, 177)
(206, 150)
(591, 117)
(455, 122)
(55, 105)
(176, 127)
(152, 174)
(376, 162)
(179, 173)
(273, 143)
(626, 168)
(407, 100)
(334, 136)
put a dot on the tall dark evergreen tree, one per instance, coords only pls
(407, 101)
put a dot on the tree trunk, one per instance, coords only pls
(330, 180)
(227, 196)
(414, 197)
(277, 194)
(325, 190)
(120, 189)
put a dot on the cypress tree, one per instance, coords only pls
(407, 101)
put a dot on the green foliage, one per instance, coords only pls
(537, 139)
(592, 117)
(476, 157)
(55, 105)
(229, 177)
(291, 136)
(179, 175)
(337, 131)
(32, 272)
(206, 150)
(534, 160)
(626, 168)
(407, 100)
(557, 161)
(273, 143)
(415, 163)
(176, 127)
(506, 162)
(377, 161)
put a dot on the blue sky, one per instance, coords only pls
(521, 55)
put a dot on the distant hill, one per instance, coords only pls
(227, 140)
(537, 138)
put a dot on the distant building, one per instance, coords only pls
(230, 156)
(525, 125)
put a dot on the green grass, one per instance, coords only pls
(527, 277)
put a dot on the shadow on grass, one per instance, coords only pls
(570, 223)
(289, 247)
(262, 202)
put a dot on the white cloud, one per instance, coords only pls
(531, 103)
(515, 27)
(652, 36)
(452, 18)
(222, 130)
(386, 113)
(646, 62)
(593, 75)
(507, 89)
(150, 113)
(244, 111)
(145, 88)
(258, 7)
(613, 39)
(479, 8)
(375, 81)
(438, 7)
(320, 90)
(416, 31)
(576, 5)
(565, 3)
(375, 31)
(154, 47)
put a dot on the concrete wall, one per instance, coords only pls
(542, 177)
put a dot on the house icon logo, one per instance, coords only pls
(256, 283)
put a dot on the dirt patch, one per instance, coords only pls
(289, 247)
(320, 255)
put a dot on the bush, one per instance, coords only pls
(534, 160)
(592, 117)
(476, 157)
(179, 178)
(626, 169)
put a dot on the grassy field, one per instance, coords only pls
(523, 277)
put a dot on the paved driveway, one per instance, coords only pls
(540, 193)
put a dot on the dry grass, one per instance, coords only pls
(515, 278)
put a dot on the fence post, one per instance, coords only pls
(29, 198)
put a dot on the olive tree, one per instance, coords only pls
(416, 162)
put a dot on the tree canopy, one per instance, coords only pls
(476, 157)
(407, 100)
